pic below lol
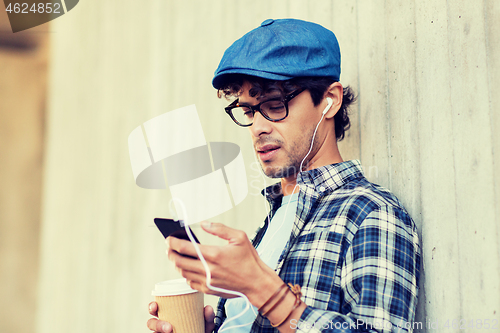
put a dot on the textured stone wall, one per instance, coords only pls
(426, 126)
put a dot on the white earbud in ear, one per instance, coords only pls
(330, 102)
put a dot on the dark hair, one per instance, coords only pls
(316, 86)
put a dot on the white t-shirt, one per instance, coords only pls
(269, 249)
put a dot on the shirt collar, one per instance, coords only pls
(324, 179)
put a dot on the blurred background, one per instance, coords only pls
(78, 248)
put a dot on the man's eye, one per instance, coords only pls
(247, 112)
(274, 106)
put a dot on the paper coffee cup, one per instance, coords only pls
(180, 305)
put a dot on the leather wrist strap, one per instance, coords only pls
(276, 303)
(273, 296)
(298, 294)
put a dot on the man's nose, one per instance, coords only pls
(260, 125)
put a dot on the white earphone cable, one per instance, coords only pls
(203, 261)
(261, 251)
(209, 275)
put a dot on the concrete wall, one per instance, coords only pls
(425, 127)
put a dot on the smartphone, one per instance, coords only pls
(170, 227)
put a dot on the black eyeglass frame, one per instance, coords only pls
(256, 108)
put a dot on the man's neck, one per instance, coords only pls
(327, 154)
(288, 184)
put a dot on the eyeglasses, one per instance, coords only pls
(274, 109)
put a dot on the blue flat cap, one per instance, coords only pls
(280, 50)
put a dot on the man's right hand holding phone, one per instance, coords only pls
(158, 326)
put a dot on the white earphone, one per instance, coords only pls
(330, 102)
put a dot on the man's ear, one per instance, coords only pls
(336, 92)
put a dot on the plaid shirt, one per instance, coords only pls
(354, 250)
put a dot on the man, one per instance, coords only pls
(347, 247)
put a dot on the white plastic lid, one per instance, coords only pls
(172, 288)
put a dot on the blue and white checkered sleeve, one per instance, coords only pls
(379, 278)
